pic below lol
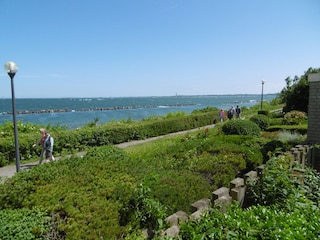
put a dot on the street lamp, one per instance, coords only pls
(11, 68)
(262, 82)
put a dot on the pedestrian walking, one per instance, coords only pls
(231, 112)
(40, 143)
(48, 147)
(221, 115)
(238, 112)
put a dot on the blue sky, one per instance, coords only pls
(120, 48)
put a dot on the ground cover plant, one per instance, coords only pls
(96, 195)
(23, 224)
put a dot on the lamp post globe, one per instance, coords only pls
(262, 83)
(11, 68)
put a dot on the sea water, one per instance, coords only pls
(76, 112)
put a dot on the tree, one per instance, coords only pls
(296, 93)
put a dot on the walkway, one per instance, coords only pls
(9, 171)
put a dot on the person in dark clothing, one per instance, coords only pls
(238, 112)
(48, 146)
(231, 112)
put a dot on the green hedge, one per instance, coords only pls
(70, 141)
(241, 127)
(264, 112)
(261, 120)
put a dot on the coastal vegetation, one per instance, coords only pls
(113, 193)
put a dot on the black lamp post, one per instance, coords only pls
(11, 68)
(262, 82)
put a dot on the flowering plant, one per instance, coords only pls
(294, 118)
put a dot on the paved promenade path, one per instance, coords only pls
(9, 171)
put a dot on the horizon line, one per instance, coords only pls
(177, 95)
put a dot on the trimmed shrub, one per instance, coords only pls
(243, 127)
(261, 120)
(264, 112)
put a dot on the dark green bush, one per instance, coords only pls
(261, 120)
(264, 112)
(243, 127)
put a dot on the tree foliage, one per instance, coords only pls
(296, 93)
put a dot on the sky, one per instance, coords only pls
(131, 48)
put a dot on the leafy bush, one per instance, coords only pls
(274, 148)
(285, 185)
(256, 222)
(243, 127)
(264, 112)
(23, 224)
(142, 211)
(261, 120)
(294, 118)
